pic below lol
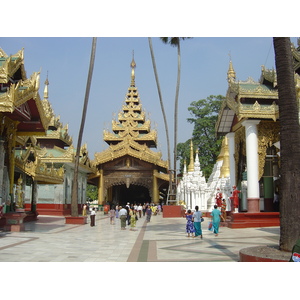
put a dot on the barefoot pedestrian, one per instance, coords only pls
(197, 222)
(216, 218)
(190, 229)
(123, 217)
(93, 216)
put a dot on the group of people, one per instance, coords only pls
(194, 219)
(131, 213)
(193, 224)
(91, 211)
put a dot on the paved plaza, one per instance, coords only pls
(161, 240)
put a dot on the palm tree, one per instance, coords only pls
(289, 204)
(162, 107)
(173, 41)
(74, 197)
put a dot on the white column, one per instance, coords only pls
(231, 144)
(252, 164)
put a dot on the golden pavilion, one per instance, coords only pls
(129, 171)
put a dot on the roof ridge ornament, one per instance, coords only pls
(231, 76)
(46, 92)
(133, 66)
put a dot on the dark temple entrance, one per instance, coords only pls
(134, 194)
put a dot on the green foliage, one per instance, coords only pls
(183, 153)
(91, 192)
(173, 41)
(204, 114)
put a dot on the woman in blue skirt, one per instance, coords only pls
(216, 218)
(190, 229)
(197, 221)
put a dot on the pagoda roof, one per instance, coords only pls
(133, 149)
(29, 162)
(131, 121)
(248, 100)
(66, 156)
(19, 97)
(132, 134)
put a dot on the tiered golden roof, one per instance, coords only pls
(19, 97)
(132, 134)
(248, 100)
(131, 120)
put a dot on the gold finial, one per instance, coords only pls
(46, 93)
(191, 165)
(231, 73)
(133, 66)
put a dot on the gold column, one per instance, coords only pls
(155, 192)
(11, 148)
(101, 189)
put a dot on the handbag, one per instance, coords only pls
(202, 219)
(210, 226)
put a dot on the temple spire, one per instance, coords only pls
(191, 165)
(184, 167)
(231, 73)
(46, 92)
(197, 162)
(132, 65)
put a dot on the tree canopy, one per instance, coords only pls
(91, 192)
(204, 115)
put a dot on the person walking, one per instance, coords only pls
(148, 213)
(123, 217)
(112, 215)
(223, 210)
(197, 221)
(158, 209)
(216, 214)
(93, 216)
(140, 208)
(127, 216)
(84, 214)
(117, 211)
(132, 219)
(144, 209)
(190, 229)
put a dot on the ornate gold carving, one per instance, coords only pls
(130, 143)
(240, 148)
(296, 56)
(258, 111)
(11, 65)
(268, 134)
(269, 75)
(37, 169)
(132, 148)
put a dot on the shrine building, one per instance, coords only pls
(129, 170)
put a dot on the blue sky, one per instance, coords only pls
(204, 61)
(57, 41)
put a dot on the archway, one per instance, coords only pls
(134, 194)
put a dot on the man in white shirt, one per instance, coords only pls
(139, 209)
(93, 216)
(123, 216)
